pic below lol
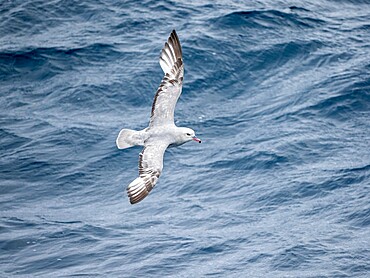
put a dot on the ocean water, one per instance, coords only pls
(279, 93)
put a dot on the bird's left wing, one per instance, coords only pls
(163, 108)
(150, 168)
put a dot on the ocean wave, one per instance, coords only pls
(278, 92)
(266, 19)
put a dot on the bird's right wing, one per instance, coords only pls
(163, 108)
(150, 168)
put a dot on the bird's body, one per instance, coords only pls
(162, 131)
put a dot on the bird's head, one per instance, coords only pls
(187, 134)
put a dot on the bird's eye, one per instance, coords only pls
(188, 134)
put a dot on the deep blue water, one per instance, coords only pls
(279, 93)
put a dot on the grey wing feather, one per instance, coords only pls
(163, 108)
(150, 168)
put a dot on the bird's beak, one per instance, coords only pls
(197, 139)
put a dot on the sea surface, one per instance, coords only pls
(279, 93)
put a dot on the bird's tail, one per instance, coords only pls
(128, 138)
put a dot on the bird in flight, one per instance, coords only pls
(162, 131)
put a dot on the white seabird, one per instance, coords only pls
(162, 131)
